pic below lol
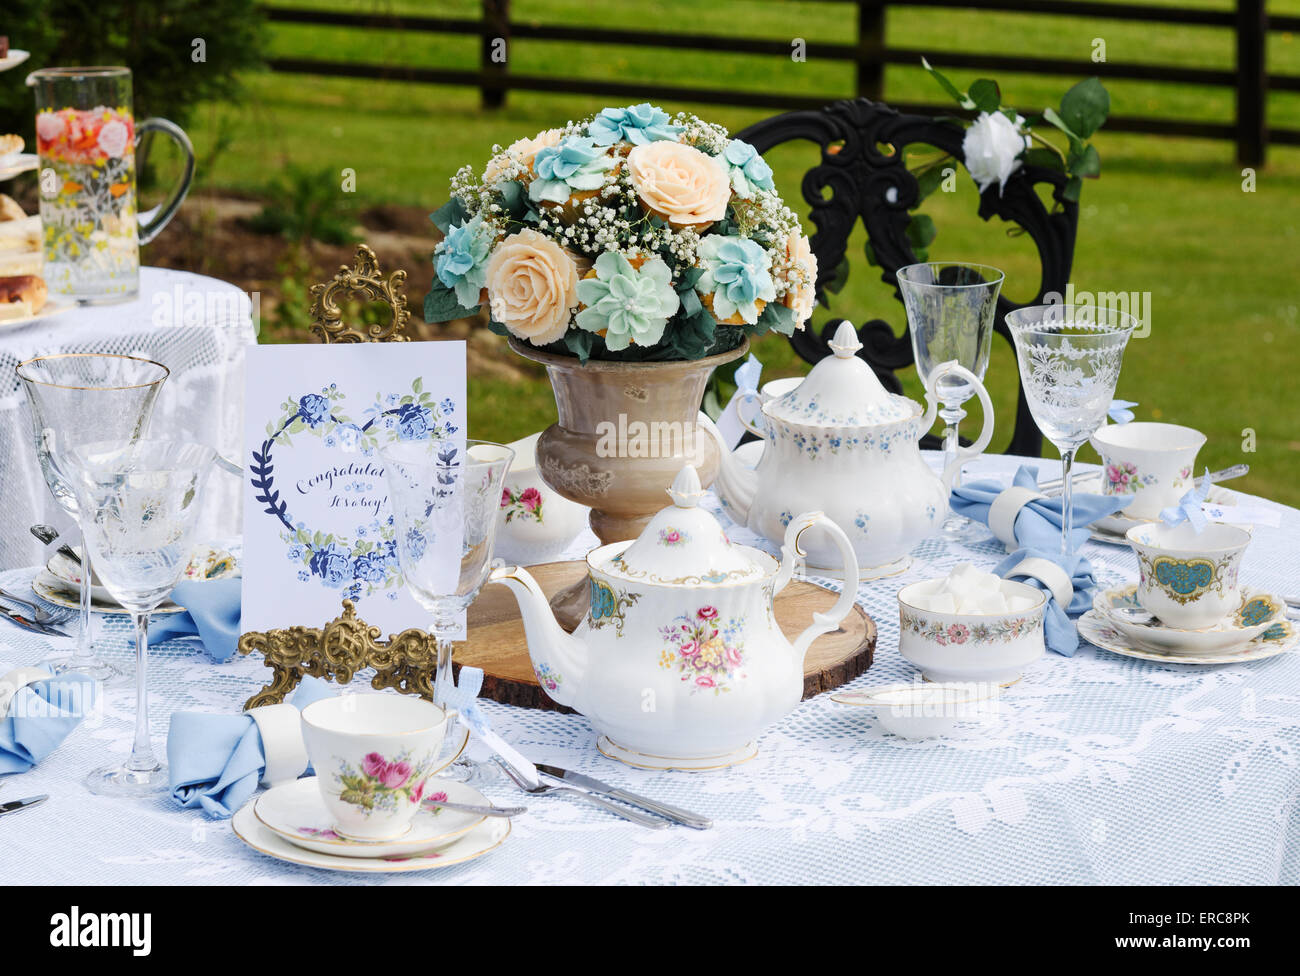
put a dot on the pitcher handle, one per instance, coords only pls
(828, 620)
(748, 424)
(155, 220)
(962, 454)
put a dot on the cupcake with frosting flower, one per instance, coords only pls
(532, 287)
(679, 184)
(520, 153)
(801, 278)
(571, 171)
(737, 281)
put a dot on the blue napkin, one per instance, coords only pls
(215, 761)
(212, 614)
(1059, 630)
(1038, 526)
(39, 717)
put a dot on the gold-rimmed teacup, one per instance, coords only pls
(1188, 579)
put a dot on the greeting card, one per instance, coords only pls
(318, 524)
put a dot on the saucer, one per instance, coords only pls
(473, 843)
(1258, 611)
(1281, 636)
(53, 590)
(296, 811)
(1111, 528)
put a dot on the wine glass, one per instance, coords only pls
(950, 313)
(138, 506)
(445, 496)
(1070, 357)
(77, 398)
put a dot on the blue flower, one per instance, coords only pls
(314, 409)
(332, 564)
(448, 405)
(636, 124)
(737, 273)
(576, 163)
(460, 260)
(304, 575)
(371, 567)
(415, 543)
(295, 552)
(749, 171)
(329, 440)
(412, 422)
(348, 436)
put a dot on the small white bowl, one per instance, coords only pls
(923, 710)
(971, 646)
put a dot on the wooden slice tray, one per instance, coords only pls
(496, 638)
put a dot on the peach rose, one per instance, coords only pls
(684, 186)
(532, 286)
(802, 277)
(523, 151)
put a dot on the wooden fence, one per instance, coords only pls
(1250, 23)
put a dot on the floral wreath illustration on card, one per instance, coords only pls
(365, 563)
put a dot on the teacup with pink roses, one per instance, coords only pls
(374, 757)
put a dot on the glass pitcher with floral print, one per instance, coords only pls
(86, 136)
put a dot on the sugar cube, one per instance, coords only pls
(943, 603)
(993, 602)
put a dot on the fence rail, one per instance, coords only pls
(1250, 23)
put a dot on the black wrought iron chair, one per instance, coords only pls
(864, 170)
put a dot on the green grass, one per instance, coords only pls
(1168, 216)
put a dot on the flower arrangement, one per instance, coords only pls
(629, 235)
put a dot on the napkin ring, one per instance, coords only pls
(1004, 511)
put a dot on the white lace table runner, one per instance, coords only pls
(196, 326)
(1102, 769)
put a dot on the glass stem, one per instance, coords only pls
(952, 417)
(442, 678)
(1067, 502)
(142, 758)
(85, 645)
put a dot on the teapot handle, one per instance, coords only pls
(828, 620)
(749, 425)
(962, 454)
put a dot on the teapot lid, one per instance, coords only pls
(685, 544)
(842, 390)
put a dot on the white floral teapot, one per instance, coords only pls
(840, 443)
(679, 663)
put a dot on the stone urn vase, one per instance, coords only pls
(625, 430)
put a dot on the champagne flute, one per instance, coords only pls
(950, 313)
(77, 398)
(445, 495)
(138, 504)
(1070, 357)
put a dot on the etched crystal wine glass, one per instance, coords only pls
(951, 308)
(1070, 357)
(77, 398)
(138, 504)
(445, 496)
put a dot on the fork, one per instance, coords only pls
(42, 616)
(542, 789)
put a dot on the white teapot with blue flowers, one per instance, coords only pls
(840, 443)
(679, 663)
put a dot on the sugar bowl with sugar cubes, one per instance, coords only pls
(971, 625)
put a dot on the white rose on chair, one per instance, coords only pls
(992, 146)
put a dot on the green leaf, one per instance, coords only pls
(1086, 163)
(776, 318)
(513, 201)
(963, 100)
(1084, 107)
(451, 212)
(1073, 189)
(930, 178)
(690, 302)
(986, 95)
(497, 328)
(441, 305)
(1050, 115)
(580, 343)
(418, 385)
(1045, 158)
(691, 338)
(921, 232)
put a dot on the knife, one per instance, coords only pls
(675, 814)
(28, 624)
(13, 806)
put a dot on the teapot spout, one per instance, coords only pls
(559, 658)
(735, 484)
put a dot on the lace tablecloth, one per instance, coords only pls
(1102, 769)
(196, 326)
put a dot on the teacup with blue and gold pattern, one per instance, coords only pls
(1187, 578)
